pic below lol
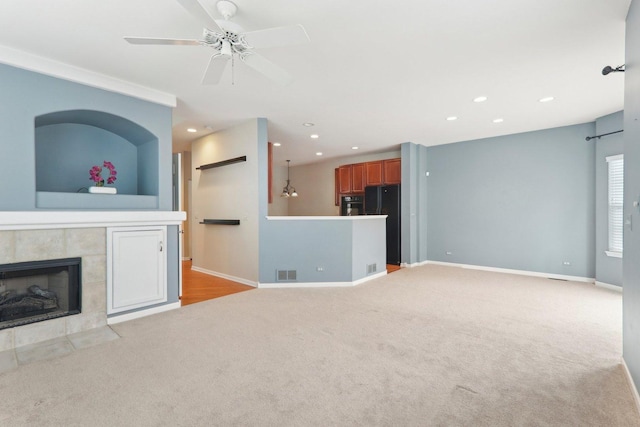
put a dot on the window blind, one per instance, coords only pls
(616, 195)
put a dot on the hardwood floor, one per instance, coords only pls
(197, 287)
(392, 267)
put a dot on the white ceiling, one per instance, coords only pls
(376, 73)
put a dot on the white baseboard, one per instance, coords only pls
(291, 285)
(632, 385)
(142, 313)
(415, 264)
(226, 276)
(510, 271)
(608, 286)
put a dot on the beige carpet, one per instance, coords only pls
(428, 346)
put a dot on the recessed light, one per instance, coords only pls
(354, 148)
(480, 99)
(315, 136)
(318, 153)
(308, 124)
(452, 118)
(546, 99)
(192, 130)
(276, 144)
(498, 120)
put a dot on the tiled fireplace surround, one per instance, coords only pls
(37, 245)
(41, 235)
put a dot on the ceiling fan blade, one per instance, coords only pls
(150, 40)
(197, 11)
(268, 68)
(214, 70)
(278, 36)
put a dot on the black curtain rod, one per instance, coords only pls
(603, 134)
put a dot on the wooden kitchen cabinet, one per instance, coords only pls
(336, 181)
(358, 177)
(391, 171)
(373, 173)
(344, 173)
(352, 179)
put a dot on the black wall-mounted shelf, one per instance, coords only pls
(223, 163)
(221, 221)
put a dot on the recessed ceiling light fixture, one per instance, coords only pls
(276, 144)
(319, 153)
(451, 118)
(480, 99)
(308, 124)
(499, 120)
(192, 130)
(546, 99)
(314, 136)
(354, 148)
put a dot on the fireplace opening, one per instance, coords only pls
(39, 290)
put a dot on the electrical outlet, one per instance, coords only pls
(448, 253)
(566, 263)
(319, 268)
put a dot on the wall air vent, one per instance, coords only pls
(286, 275)
(371, 268)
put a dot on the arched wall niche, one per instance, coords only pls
(69, 143)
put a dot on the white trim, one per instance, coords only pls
(632, 385)
(520, 272)
(613, 254)
(616, 157)
(324, 218)
(415, 264)
(83, 76)
(30, 220)
(608, 286)
(225, 276)
(142, 313)
(292, 285)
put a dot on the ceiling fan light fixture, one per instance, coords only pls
(226, 48)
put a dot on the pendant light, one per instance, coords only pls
(288, 190)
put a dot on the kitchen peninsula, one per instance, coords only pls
(317, 251)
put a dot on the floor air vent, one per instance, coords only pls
(371, 268)
(286, 275)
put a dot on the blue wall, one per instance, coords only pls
(29, 98)
(414, 203)
(33, 95)
(631, 252)
(523, 202)
(74, 149)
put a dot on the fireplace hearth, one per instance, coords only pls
(39, 290)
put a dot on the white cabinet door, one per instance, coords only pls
(136, 267)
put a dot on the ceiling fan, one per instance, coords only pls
(229, 41)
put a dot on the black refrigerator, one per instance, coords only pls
(385, 200)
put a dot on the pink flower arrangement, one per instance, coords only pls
(94, 174)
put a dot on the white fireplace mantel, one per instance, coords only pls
(34, 220)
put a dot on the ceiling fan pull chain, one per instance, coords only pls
(233, 61)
